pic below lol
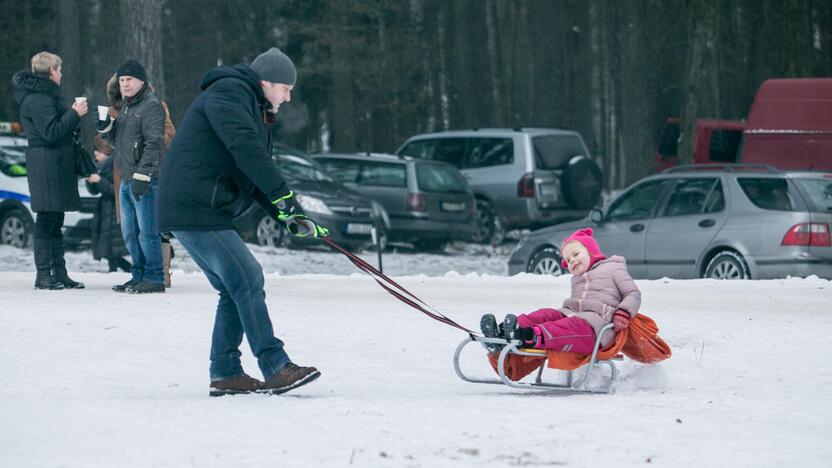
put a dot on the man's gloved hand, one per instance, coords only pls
(620, 320)
(301, 226)
(139, 185)
(103, 126)
(288, 207)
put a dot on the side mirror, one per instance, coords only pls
(596, 216)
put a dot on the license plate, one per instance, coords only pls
(547, 190)
(359, 228)
(449, 206)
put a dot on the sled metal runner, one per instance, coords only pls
(511, 347)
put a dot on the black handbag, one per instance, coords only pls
(84, 165)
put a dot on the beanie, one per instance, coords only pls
(275, 67)
(584, 236)
(132, 68)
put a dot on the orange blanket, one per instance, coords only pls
(639, 342)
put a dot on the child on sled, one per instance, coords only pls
(602, 293)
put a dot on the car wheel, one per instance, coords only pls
(16, 229)
(486, 225)
(727, 265)
(545, 262)
(269, 232)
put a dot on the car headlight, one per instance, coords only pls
(313, 204)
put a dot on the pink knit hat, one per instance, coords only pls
(584, 236)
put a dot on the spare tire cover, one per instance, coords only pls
(581, 183)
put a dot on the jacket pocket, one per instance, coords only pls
(138, 149)
(223, 194)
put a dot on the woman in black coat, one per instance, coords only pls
(107, 241)
(50, 163)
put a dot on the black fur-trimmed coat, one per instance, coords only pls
(50, 159)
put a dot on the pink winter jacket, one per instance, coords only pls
(599, 292)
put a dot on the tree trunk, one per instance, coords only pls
(142, 26)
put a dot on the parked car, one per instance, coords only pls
(428, 203)
(16, 216)
(713, 221)
(521, 178)
(348, 215)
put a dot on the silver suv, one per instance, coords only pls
(521, 178)
(735, 221)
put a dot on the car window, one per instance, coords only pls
(451, 151)
(486, 152)
(382, 174)
(689, 197)
(422, 149)
(299, 169)
(637, 203)
(554, 151)
(716, 200)
(439, 178)
(13, 161)
(768, 193)
(819, 191)
(343, 170)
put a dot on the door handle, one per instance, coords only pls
(706, 223)
(636, 228)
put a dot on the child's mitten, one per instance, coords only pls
(620, 320)
(526, 334)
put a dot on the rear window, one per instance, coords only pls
(819, 191)
(768, 193)
(438, 178)
(344, 170)
(382, 174)
(554, 151)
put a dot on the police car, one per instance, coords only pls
(16, 216)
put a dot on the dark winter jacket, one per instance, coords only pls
(107, 241)
(138, 135)
(220, 158)
(50, 159)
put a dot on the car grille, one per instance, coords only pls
(354, 211)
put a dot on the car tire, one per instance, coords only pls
(581, 183)
(727, 265)
(545, 262)
(486, 223)
(269, 232)
(16, 228)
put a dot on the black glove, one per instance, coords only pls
(526, 334)
(288, 207)
(103, 126)
(139, 186)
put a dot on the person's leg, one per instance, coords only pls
(58, 261)
(149, 241)
(570, 334)
(130, 231)
(44, 227)
(235, 273)
(539, 316)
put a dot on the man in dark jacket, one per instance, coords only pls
(50, 162)
(137, 136)
(219, 161)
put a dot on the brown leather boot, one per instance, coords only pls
(166, 256)
(238, 385)
(291, 376)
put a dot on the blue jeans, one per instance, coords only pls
(141, 236)
(234, 272)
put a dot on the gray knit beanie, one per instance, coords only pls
(274, 66)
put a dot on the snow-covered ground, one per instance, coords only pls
(92, 378)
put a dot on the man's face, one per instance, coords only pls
(129, 85)
(577, 257)
(276, 93)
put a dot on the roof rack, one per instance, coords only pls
(726, 167)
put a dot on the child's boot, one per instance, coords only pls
(509, 326)
(488, 326)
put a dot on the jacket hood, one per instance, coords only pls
(26, 82)
(240, 72)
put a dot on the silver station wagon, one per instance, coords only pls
(714, 221)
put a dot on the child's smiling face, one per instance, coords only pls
(576, 257)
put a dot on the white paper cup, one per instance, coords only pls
(81, 99)
(102, 112)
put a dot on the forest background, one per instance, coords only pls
(374, 72)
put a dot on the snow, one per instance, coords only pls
(93, 378)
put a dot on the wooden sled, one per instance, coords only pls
(512, 348)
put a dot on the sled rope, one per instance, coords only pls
(395, 289)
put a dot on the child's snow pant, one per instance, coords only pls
(555, 331)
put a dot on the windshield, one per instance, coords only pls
(439, 178)
(13, 161)
(299, 169)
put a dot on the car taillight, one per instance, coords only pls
(525, 186)
(810, 234)
(416, 202)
